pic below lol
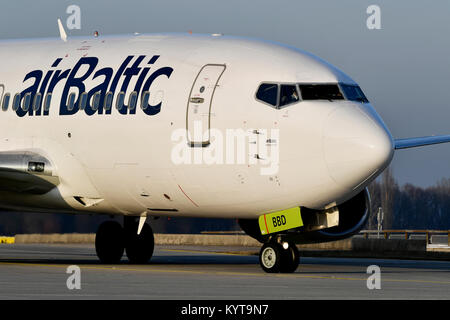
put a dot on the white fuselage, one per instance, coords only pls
(116, 163)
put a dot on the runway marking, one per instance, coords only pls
(294, 275)
(209, 252)
(224, 253)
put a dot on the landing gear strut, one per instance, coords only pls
(112, 240)
(276, 257)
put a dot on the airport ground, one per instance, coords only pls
(38, 271)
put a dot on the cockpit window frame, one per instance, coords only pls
(321, 83)
(299, 92)
(279, 106)
(278, 84)
(264, 102)
(353, 85)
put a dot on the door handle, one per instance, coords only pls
(197, 100)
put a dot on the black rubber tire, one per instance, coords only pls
(109, 242)
(270, 257)
(139, 248)
(290, 259)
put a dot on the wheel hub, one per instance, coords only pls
(269, 257)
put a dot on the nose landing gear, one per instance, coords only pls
(276, 257)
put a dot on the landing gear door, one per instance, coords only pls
(200, 103)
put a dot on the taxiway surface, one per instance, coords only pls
(208, 273)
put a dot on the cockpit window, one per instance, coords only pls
(279, 95)
(268, 93)
(320, 92)
(288, 94)
(354, 93)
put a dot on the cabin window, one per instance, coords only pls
(26, 101)
(120, 100)
(288, 94)
(96, 100)
(108, 100)
(320, 92)
(354, 93)
(37, 101)
(71, 101)
(48, 99)
(268, 93)
(83, 101)
(16, 102)
(132, 100)
(2, 91)
(6, 99)
(144, 100)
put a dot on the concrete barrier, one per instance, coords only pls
(161, 239)
(339, 245)
(56, 238)
(351, 244)
(388, 245)
(206, 240)
(355, 247)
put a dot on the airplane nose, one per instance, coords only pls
(356, 146)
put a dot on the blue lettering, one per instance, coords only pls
(166, 71)
(129, 73)
(37, 75)
(76, 80)
(103, 88)
(73, 81)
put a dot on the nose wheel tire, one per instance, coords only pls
(270, 257)
(273, 258)
(290, 259)
(109, 242)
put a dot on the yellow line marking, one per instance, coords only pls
(113, 268)
(225, 273)
(210, 252)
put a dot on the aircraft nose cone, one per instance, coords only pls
(356, 146)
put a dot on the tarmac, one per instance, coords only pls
(41, 271)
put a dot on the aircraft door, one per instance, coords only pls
(200, 103)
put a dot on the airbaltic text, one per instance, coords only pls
(107, 81)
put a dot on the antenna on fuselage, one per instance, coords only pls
(62, 32)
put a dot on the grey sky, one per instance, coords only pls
(403, 68)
